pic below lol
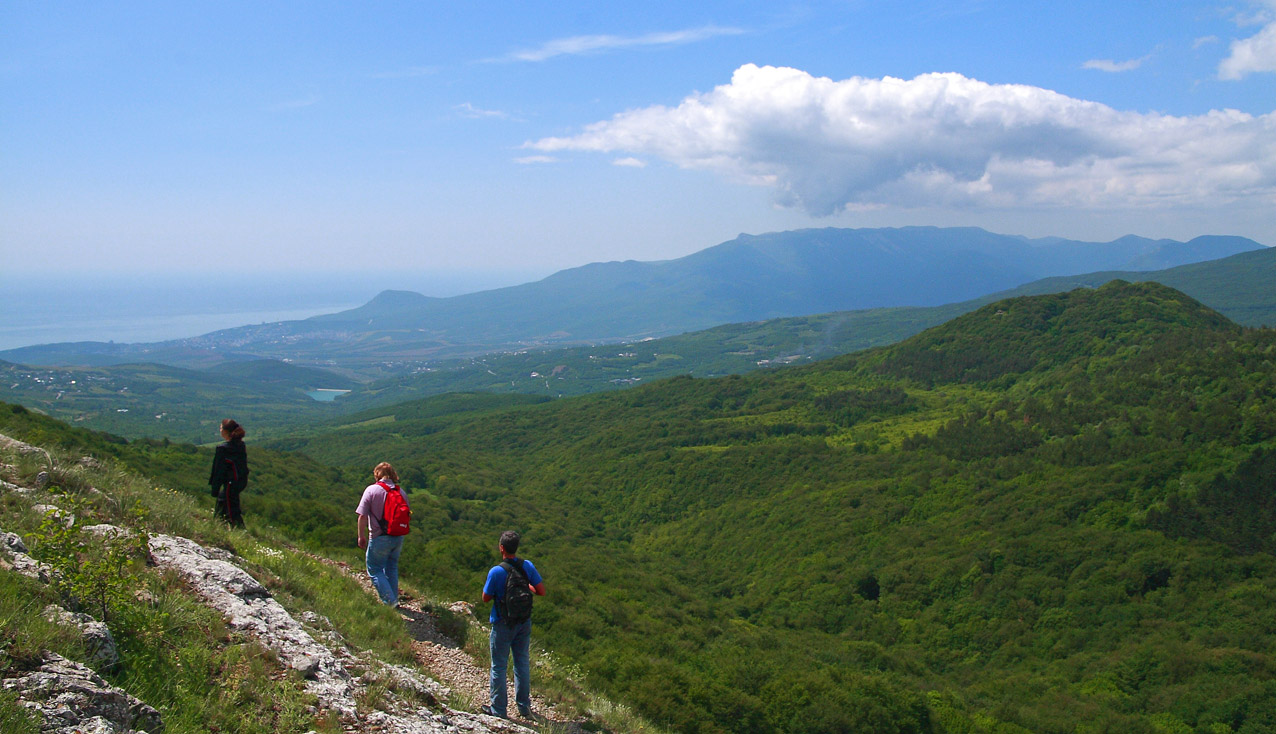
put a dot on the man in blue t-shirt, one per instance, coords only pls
(507, 638)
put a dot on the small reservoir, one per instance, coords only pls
(325, 394)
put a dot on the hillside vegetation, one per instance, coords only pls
(1050, 515)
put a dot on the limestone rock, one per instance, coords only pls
(66, 518)
(88, 462)
(14, 444)
(428, 690)
(463, 608)
(109, 532)
(42, 480)
(11, 545)
(9, 487)
(97, 636)
(71, 697)
(248, 607)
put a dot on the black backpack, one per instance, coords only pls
(516, 606)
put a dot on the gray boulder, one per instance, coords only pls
(12, 548)
(13, 444)
(70, 697)
(98, 641)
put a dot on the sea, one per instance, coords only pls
(109, 307)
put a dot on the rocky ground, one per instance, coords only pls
(70, 697)
(445, 659)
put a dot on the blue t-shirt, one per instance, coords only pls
(495, 586)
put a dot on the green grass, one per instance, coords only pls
(14, 718)
(177, 654)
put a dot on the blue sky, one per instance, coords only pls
(517, 139)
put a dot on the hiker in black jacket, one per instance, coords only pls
(230, 473)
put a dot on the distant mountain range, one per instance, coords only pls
(1241, 287)
(150, 400)
(749, 278)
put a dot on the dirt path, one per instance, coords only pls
(452, 666)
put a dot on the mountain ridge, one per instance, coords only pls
(750, 278)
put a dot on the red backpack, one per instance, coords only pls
(396, 514)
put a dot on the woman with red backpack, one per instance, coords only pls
(383, 521)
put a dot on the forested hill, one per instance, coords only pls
(1050, 515)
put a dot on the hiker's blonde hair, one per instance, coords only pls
(384, 470)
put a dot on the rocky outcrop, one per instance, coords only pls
(248, 607)
(67, 519)
(98, 641)
(13, 553)
(70, 697)
(13, 444)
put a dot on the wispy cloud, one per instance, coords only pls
(1204, 41)
(1115, 66)
(629, 163)
(1258, 52)
(826, 146)
(577, 45)
(532, 159)
(468, 110)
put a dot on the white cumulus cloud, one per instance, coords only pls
(941, 139)
(629, 162)
(1254, 54)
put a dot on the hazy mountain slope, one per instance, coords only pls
(994, 525)
(1242, 287)
(746, 279)
(766, 276)
(267, 394)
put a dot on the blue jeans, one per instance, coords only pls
(504, 640)
(383, 565)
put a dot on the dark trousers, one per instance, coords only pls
(227, 507)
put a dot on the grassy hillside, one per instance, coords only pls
(175, 654)
(202, 672)
(1025, 520)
